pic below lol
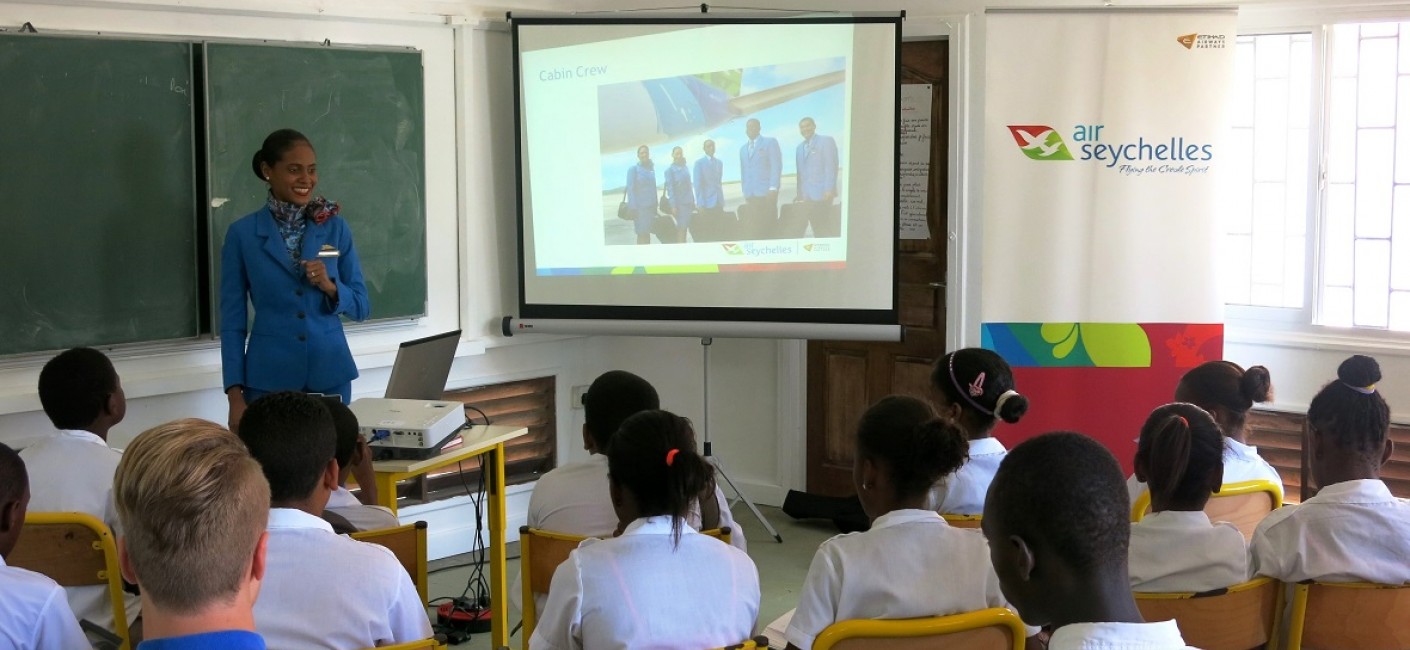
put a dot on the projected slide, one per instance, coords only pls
(679, 149)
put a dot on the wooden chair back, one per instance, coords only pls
(963, 521)
(1237, 618)
(1349, 616)
(1242, 504)
(73, 549)
(408, 543)
(988, 629)
(433, 643)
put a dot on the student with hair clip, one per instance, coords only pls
(660, 584)
(1176, 547)
(1353, 530)
(977, 390)
(910, 563)
(1227, 392)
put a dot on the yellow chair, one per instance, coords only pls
(540, 553)
(433, 643)
(757, 643)
(987, 629)
(1242, 504)
(408, 543)
(75, 550)
(963, 521)
(1349, 616)
(1237, 618)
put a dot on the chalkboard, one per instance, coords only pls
(364, 112)
(98, 200)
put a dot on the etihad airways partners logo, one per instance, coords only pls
(1040, 142)
(1202, 41)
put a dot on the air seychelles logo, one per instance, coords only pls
(1042, 142)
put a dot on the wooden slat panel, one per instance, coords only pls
(1278, 437)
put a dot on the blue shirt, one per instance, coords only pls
(226, 640)
(817, 167)
(709, 174)
(678, 190)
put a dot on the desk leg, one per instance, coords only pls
(387, 490)
(499, 591)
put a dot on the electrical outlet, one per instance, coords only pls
(578, 393)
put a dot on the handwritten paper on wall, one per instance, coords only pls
(915, 159)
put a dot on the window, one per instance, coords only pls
(1318, 223)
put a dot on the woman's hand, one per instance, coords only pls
(236, 395)
(317, 275)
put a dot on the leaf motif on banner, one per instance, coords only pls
(1116, 345)
(1063, 336)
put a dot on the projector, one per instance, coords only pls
(407, 428)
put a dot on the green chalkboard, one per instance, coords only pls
(364, 112)
(98, 200)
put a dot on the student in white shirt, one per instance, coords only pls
(659, 584)
(1227, 392)
(72, 469)
(33, 612)
(194, 505)
(1058, 524)
(321, 590)
(354, 459)
(1353, 530)
(910, 563)
(976, 390)
(1176, 548)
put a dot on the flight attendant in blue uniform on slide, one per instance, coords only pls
(760, 169)
(294, 260)
(679, 192)
(641, 194)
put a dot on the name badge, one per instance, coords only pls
(328, 251)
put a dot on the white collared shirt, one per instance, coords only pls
(962, 493)
(363, 517)
(1183, 551)
(642, 590)
(323, 590)
(1351, 531)
(1241, 463)
(34, 614)
(1164, 635)
(911, 563)
(72, 471)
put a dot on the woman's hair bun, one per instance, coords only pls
(1010, 409)
(1256, 385)
(1359, 371)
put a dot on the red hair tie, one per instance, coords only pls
(671, 456)
(1184, 421)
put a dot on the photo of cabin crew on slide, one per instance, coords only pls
(732, 147)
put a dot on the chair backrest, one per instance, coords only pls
(760, 642)
(420, 644)
(1242, 504)
(408, 543)
(987, 629)
(540, 553)
(963, 521)
(1237, 618)
(75, 550)
(1349, 616)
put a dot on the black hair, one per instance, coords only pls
(653, 457)
(612, 398)
(275, 146)
(74, 387)
(291, 435)
(1350, 409)
(14, 480)
(1065, 491)
(1227, 385)
(917, 448)
(1180, 446)
(346, 427)
(979, 380)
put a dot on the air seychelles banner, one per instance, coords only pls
(1104, 140)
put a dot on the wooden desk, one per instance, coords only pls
(479, 440)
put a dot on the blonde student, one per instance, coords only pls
(1176, 547)
(1227, 391)
(660, 584)
(976, 390)
(33, 612)
(1353, 530)
(910, 563)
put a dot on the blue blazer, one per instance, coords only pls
(759, 173)
(709, 175)
(297, 341)
(817, 167)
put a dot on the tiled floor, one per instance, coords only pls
(781, 566)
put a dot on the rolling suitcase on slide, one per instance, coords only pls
(755, 222)
(827, 220)
(792, 220)
(714, 224)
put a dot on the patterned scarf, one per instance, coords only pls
(292, 220)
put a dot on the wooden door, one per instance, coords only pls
(844, 377)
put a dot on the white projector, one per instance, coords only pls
(408, 428)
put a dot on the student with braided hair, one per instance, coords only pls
(976, 390)
(1176, 547)
(1353, 529)
(910, 563)
(660, 584)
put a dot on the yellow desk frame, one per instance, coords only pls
(487, 441)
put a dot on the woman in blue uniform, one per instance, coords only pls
(293, 260)
(641, 194)
(679, 192)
